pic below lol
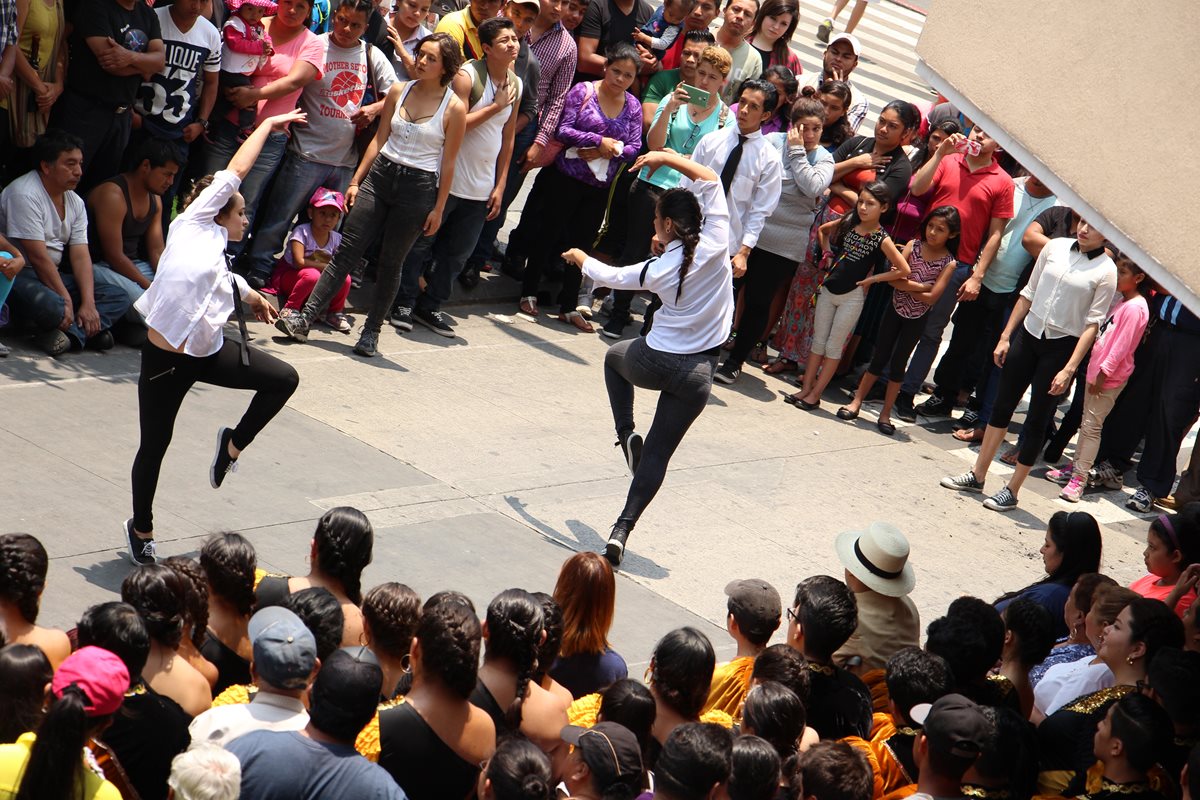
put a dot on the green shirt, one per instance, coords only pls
(661, 85)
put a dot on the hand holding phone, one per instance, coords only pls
(696, 97)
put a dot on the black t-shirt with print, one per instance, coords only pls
(606, 23)
(132, 29)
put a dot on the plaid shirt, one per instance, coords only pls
(8, 23)
(557, 55)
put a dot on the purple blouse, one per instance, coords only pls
(584, 124)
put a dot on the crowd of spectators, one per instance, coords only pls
(211, 679)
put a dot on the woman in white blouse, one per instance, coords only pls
(679, 355)
(185, 309)
(1059, 314)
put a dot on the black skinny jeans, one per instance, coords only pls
(165, 380)
(684, 383)
(898, 337)
(393, 199)
(1032, 363)
(765, 273)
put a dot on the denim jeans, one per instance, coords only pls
(42, 306)
(935, 325)
(103, 273)
(450, 246)
(393, 199)
(295, 182)
(218, 154)
(516, 179)
(684, 383)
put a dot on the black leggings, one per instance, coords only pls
(684, 383)
(166, 379)
(897, 338)
(765, 273)
(1032, 363)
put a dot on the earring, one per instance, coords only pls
(1129, 660)
(406, 664)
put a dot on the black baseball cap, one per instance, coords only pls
(953, 725)
(760, 600)
(610, 750)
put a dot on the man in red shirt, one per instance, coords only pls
(982, 193)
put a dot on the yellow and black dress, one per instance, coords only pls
(1065, 742)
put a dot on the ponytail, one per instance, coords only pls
(55, 767)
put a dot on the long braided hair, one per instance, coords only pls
(344, 540)
(683, 209)
(515, 623)
(229, 560)
(23, 567)
(195, 620)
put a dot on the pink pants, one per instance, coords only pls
(297, 285)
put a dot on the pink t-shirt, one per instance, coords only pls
(1119, 337)
(306, 46)
(1146, 588)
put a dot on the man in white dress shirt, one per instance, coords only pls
(750, 169)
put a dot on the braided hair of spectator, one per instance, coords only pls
(344, 540)
(450, 634)
(515, 625)
(159, 595)
(228, 560)
(391, 612)
(519, 770)
(196, 599)
(23, 565)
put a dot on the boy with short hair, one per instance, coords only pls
(753, 614)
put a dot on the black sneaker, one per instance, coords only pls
(964, 483)
(1003, 501)
(222, 463)
(615, 327)
(614, 551)
(435, 321)
(402, 318)
(728, 373)
(969, 419)
(631, 447)
(101, 342)
(140, 551)
(295, 326)
(936, 407)
(904, 408)
(368, 341)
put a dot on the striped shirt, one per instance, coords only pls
(556, 53)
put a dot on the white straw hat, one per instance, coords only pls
(878, 557)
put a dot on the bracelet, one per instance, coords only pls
(353, 185)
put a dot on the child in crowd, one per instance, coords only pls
(246, 46)
(664, 27)
(854, 246)
(1127, 743)
(1110, 366)
(931, 257)
(1172, 545)
(310, 247)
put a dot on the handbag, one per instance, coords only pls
(26, 121)
(555, 146)
(363, 137)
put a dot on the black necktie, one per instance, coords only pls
(240, 313)
(731, 164)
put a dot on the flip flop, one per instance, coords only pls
(969, 435)
(780, 366)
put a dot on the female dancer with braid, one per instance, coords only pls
(679, 355)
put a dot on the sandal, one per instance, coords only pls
(780, 366)
(576, 319)
(1010, 456)
(846, 414)
(759, 354)
(886, 428)
(528, 306)
(969, 435)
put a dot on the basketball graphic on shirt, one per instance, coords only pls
(136, 40)
(346, 89)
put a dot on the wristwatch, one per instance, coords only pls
(203, 123)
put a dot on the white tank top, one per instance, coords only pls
(475, 167)
(417, 144)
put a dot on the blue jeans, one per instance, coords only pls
(295, 182)
(936, 320)
(104, 274)
(218, 154)
(450, 247)
(6, 285)
(42, 306)
(485, 247)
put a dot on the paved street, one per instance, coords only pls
(484, 460)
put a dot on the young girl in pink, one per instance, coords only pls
(310, 247)
(1108, 370)
(246, 46)
(1172, 556)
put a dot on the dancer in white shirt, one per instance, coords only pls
(185, 309)
(679, 355)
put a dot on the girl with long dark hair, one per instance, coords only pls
(24, 673)
(228, 561)
(774, 25)
(679, 355)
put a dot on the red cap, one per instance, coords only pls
(101, 676)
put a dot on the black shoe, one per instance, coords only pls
(936, 406)
(512, 264)
(614, 551)
(631, 447)
(140, 551)
(728, 373)
(295, 326)
(435, 321)
(469, 278)
(904, 408)
(402, 318)
(223, 463)
(615, 327)
(101, 341)
(368, 343)
(256, 281)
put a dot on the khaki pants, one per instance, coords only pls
(1096, 408)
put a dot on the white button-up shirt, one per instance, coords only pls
(191, 296)
(756, 185)
(266, 711)
(1068, 290)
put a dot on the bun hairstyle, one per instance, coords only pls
(450, 634)
(621, 51)
(322, 614)
(519, 770)
(515, 624)
(683, 209)
(344, 541)
(1033, 626)
(681, 670)
(160, 597)
(229, 561)
(23, 566)
(196, 601)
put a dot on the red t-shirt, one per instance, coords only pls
(1145, 586)
(978, 196)
(670, 59)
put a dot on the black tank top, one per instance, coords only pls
(132, 228)
(232, 669)
(424, 766)
(482, 699)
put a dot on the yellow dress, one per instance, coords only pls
(730, 683)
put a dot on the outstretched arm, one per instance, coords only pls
(243, 160)
(685, 166)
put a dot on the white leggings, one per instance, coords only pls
(834, 321)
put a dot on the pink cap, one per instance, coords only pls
(328, 197)
(101, 676)
(268, 6)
